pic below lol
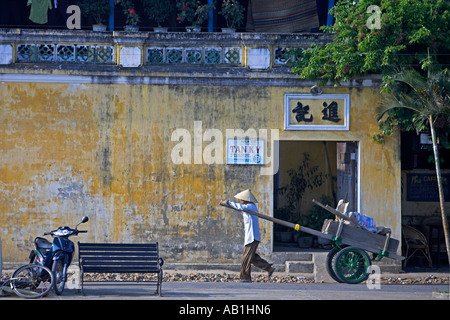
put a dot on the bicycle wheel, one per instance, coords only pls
(350, 265)
(32, 281)
(330, 261)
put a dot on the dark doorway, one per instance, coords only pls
(322, 170)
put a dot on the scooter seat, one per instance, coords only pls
(42, 243)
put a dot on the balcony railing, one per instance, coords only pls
(64, 52)
(146, 49)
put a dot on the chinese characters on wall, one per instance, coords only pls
(322, 112)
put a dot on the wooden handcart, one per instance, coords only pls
(348, 260)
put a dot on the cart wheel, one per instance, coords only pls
(351, 264)
(330, 261)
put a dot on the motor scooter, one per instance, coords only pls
(56, 255)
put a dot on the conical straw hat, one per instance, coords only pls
(246, 195)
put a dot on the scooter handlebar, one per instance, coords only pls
(68, 232)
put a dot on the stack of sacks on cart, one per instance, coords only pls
(366, 222)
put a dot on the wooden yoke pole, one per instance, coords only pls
(297, 227)
(332, 210)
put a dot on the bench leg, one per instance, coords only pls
(81, 281)
(159, 285)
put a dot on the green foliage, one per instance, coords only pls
(193, 11)
(396, 120)
(317, 215)
(409, 28)
(158, 10)
(411, 100)
(233, 12)
(97, 9)
(131, 16)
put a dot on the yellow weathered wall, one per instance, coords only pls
(104, 150)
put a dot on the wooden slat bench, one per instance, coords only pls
(120, 258)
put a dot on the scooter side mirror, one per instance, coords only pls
(83, 220)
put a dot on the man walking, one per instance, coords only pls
(252, 235)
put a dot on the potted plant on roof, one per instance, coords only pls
(132, 19)
(194, 13)
(233, 12)
(98, 10)
(158, 11)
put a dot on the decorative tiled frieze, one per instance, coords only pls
(282, 55)
(65, 52)
(233, 55)
(213, 55)
(194, 55)
(258, 58)
(174, 55)
(178, 49)
(155, 55)
(84, 53)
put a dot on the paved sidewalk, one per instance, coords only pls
(401, 288)
(253, 291)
